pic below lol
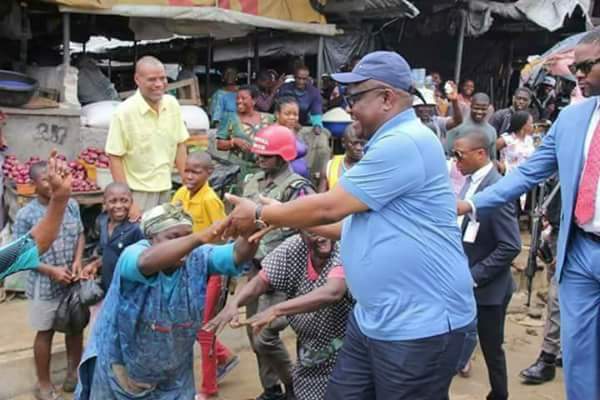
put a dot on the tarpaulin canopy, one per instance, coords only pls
(480, 14)
(555, 60)
(158, 22)
(371, 8)
(337, 50)
(548, 14)
(287, 10)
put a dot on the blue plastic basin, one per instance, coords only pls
(336, 128)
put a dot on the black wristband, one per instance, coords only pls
(258, 212)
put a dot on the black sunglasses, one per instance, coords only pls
(460, 155)
(353, 98)
(584, 66)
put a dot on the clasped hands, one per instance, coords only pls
(242, 220)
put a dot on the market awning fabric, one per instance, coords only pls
(158, 22)
(287, 10)
(555, 60)
(548, 14)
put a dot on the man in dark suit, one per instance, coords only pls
(490, 243)
(572, 148)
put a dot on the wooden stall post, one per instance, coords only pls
(460, 45)
(209, 61)
(66, 18)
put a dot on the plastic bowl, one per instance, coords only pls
(337, 129)
(103, 177)
(16, 89)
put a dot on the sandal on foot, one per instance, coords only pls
(69, 384)
(51, 394)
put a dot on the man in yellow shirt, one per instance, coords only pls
(146, 137)
(205, 207)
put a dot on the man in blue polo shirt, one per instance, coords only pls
(400, 243)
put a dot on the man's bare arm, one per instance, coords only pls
(180, 158)
(117, 169)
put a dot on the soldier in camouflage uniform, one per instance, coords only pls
(275, 147)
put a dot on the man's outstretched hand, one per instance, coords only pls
(242, 217)
(463, 207)
(258, 235)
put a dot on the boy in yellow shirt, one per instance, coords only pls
(200, 201)
(196, 196)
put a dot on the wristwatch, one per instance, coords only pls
(258, 222)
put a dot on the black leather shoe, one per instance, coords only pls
(272, 393)
(289, 392)
(492, 396)
(539, 372)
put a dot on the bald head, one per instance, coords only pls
(350, 133)
(353, 142)
(151, 80)
(147, 62)
(480, 98)
(116, 187)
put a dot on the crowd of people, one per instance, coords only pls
(389, 262)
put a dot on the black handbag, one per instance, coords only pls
(71, 316)
(90, 292)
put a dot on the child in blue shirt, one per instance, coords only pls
(116, 233)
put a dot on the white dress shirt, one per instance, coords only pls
(476, 179)
(594, 225)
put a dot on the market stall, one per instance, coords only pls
(14, 201)
(53, 116)
(89, 170)
(37, 132)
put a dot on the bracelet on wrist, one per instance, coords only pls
(258, 212)
(258, 221)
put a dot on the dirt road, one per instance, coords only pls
(521, 347)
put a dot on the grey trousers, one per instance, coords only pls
(148, 200)
(551, 344)
(274, 364)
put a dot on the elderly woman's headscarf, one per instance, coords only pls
(163, 217)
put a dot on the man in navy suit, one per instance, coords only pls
(571, 147)
(490, 247)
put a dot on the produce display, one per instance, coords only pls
(95, 156)
(18, 172)
(81, 183)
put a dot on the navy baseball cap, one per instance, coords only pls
(384, 66)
